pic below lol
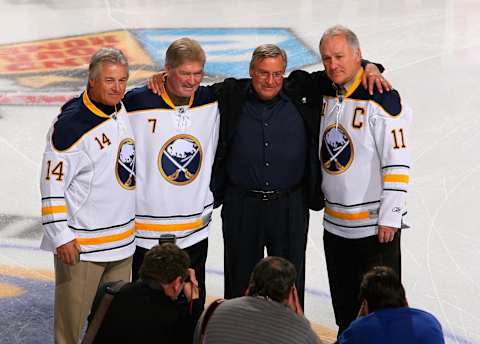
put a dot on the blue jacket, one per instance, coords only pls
(394, 325)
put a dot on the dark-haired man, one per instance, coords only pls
(270, 313)
(148, 310)
(385, 317)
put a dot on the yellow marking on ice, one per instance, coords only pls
(21, 272)
(10, 290)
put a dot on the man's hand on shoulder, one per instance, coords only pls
(156, 82)
(373, 78)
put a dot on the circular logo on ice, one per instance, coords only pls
(125, 168)
(180, 159)
(336, 153)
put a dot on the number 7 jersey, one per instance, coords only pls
(365, 157)
(175, 149)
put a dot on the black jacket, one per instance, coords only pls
(142, 314)
(232, 95)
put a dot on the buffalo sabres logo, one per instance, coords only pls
(126, 164)
(180, 159)
(336, 152)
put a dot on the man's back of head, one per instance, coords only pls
(265, 315)
(272, 277)
(164, 263)
(385, 315)
(381, 288)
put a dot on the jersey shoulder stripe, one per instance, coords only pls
(390, 102)
(141, 98)
(74, 121)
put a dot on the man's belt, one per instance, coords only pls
(271, 195)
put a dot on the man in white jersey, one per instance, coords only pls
(88, 199)
(176, 134)
(365, 158)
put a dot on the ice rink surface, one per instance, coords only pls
(431, 52)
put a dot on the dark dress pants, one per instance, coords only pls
(198, 258)
(347, 261)
(250, 224)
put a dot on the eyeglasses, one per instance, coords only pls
(263, 75)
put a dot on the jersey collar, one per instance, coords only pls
(88, 103)
(166, 98)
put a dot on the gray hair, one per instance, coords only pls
(184, 49)
(105, 55)
(268, 50)
(339, 30)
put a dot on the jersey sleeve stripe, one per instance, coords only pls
(49, 222)
(52, 197)
(56, 209)
(396, 178)
(106, 238)
(392, 166)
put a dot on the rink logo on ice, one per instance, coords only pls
(51, 71)
(229, 50)
(62, 63)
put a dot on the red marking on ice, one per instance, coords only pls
(35, 99)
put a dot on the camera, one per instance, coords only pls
(167, 238)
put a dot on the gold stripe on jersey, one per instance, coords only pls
(396, 178)
(347, 216)
(355, 84)
(106, 238)
(96, 111)
(55, 209)
(171, 227)
(92, 107)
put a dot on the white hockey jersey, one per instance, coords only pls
(87, 182)
(175, 150)
(365, 156)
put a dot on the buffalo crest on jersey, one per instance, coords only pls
(125, 168)
(180, 159)
(336, 153)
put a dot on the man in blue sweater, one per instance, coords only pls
(385, 317)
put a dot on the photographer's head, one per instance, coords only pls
(381, 288)
(273, 277)
(168, 265)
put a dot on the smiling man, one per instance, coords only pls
(266, 166)
(365, 157)
(266, 151)
(176, 134)
(88, 199)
